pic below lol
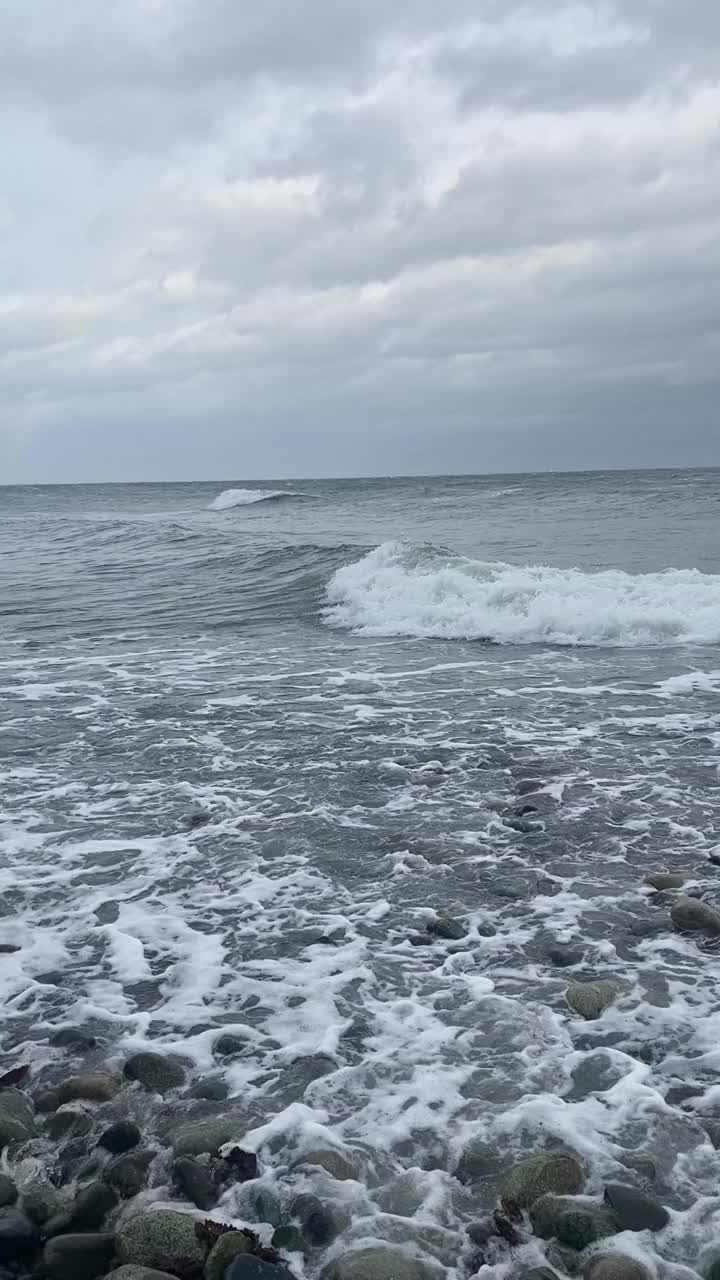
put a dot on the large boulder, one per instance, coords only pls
(589, 999)
(79, 1257)
(382, 1262)
(164, 1239)
(155, 1072)
(692, 915)
(551, 1171)
(17, 1117)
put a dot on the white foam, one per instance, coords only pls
(246, 497)
(401, 590)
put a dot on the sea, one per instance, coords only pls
(367, 773)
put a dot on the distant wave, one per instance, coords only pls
(246, 497)
(414, 591)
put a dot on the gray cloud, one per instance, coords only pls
(302, 238)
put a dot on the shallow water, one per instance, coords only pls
(250, 749)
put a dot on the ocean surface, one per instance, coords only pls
(255, 738)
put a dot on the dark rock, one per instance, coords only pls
(229, 1046)
(122, 1136)
(65, 1124)
(163, 1239)
(130, 1272)
(156, 1073)
(582, 1225)
(128, 1173)
(661, 880)
(212, 1090)
(17, 1077)
(79, 1257)
(242, 1165)
(563, 956)
(614, 1266)
(712, 1128)
(59, 1225)
(711, 1265)
(634, 1210)
(538, 1273)
(447, 928)
(692, 915)
(17, 1117)
(380, 1262)
(527, 786)
(289, 1239)
(552, 1171)
(589, 999)
(8, 1191)
(197, 1181)
(9, 949)
(317, 1223)
(18, 1235)
(89, 1086)
(333, 1162)
(74, 1039)
(565, 1260)
(248, 1267)
(92, 1206)
(261, 1204)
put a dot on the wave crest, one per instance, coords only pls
(401, 590)
(246, 497)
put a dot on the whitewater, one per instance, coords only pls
(374, 810)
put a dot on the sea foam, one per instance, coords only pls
(246, 497)
(425, 591)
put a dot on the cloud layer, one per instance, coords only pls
(314, 238)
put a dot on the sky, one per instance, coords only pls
(347, 237)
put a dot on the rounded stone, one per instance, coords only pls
(661, 880)
(120, 1137)
(163, 1239)
(382, 1262)
(73, 1039)
(130, 1272)
(79, 1257)
(634, 1210)
(229, 1045)
(317, 1222)
(248, 1267)
(8, 1191)
(590, 999)
(478, 1160)
(92, 1205)
(228, 1247)
(212, 1090)
(527, 1181)
(18, 1235)
(290, 1239)
(196, 1180)
(155, 1072)
(128, 1173)
(446, 928)
(207, 1136)
(614, 1266)
(333, 1162)
(692, 915)
(17, 1117)
(89, 1086)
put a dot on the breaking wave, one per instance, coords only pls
(246, 497)
(425, 591)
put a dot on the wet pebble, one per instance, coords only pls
(197, 1180)
(122, 1136)
(127, 1174)
(634, 1210)
(590, 999)
(155, 1072)
(18, 1234)
(79, 1257)
(692, 915)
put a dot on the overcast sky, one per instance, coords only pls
(328, 237)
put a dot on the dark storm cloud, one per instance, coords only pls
(304, 237)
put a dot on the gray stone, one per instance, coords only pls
(90, 1086)
(614, 1266)
(120, 1137)
(9, 949)
(333, 1162)
(382, 1262)
(229, 1045)
(40, 1201)
(552, 1171)
(712, 1128)
(402, 1197)
(634, 1210)
(67, 1124)
(155, 1072)
(562, 955)
(163, 1239)
(692, 915)
(207, 1135)
(196, 1180)
(261, 1204)
(589, 999)
(478, 1160)
(224, 1251)
(661, 880)
(8, 1191)
(537, 1273)
(290, 1239)
(92, 1206)
(446, 928)
(318, 1224)
(18, 1235)
(213, 1090)
(17, 1117)
(583, 1225)
(73, 1039)
(128, 1173)
(79, 1257)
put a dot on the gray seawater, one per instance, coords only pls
(250, 749)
